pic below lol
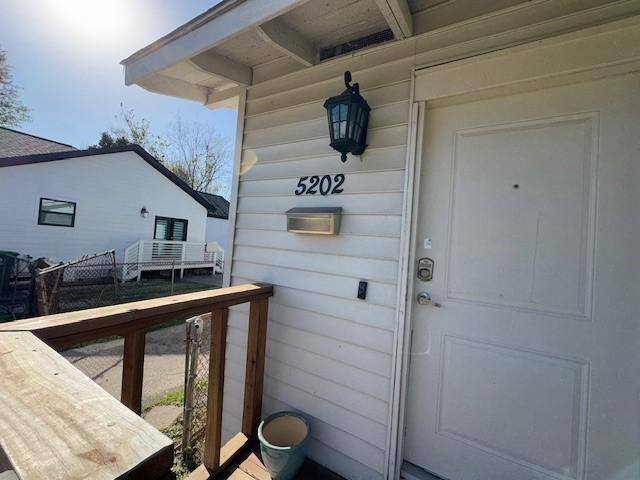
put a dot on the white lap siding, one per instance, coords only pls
(329, 354)
(109, 191)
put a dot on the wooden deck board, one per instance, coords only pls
(249, 466)
(56, 423)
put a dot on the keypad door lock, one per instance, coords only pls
(425, 269)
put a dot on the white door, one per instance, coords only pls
(530, 210)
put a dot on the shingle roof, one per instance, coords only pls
(142, 153)
(218, 206)
(15, 144)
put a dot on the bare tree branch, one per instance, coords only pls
(198, 154)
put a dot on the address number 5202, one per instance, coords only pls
(325, 185)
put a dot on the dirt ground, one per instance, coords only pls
(163, 367)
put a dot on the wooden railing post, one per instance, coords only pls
(132, 370)
(215, 394)
(254, 380)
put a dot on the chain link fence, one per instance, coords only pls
(96, 281)
(198, 333)
(84, 283)
(44, 287)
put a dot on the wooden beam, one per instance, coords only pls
(159, 83)
(133, 370)
(254, 380)
(398, 17)
(215, 394)
(225, 98)
(289, 41)
(98, 322)
(221, 66)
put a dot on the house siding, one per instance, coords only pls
(109, 190)
(328, 354)
(217, 231)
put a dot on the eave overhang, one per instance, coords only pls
(237, 44)
(212, 57)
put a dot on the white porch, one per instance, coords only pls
(155, 255)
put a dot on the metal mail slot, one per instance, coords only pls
(314, 220)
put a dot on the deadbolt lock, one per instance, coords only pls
(425, 269)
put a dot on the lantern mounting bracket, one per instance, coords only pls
(347, 83)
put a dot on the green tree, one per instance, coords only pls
(13, 112)
(108, 140)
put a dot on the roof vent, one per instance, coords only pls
(357, 44)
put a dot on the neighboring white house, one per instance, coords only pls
(503, 152)
(217, 219)
(67, 204)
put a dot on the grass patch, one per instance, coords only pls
(174, 397)
(201, 384)
(183, 462)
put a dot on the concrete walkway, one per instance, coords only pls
(163, 365)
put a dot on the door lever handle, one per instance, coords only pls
(425, 299)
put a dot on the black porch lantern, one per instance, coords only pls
(348, 116)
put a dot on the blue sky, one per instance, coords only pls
(66, 59)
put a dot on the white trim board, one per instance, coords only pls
(407, 236)
(235, 181)
(589, 54)
(403, 325)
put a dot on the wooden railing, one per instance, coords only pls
(132, 320)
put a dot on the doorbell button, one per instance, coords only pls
(362, 290)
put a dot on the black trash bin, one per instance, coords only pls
(7, 261)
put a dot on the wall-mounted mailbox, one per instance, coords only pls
(314, 220)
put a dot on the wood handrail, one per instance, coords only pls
(63, 330)
(131, 321)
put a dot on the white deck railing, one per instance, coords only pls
(145, 255)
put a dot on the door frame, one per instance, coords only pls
(556, 61)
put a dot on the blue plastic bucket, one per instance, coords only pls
(283, 440)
